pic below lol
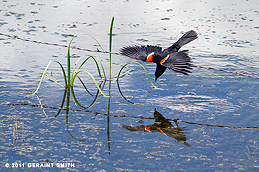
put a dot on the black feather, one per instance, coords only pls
(140, 52)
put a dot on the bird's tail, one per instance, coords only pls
(185, 39)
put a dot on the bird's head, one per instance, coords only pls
(159, 70)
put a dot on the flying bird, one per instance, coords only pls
(171, 58)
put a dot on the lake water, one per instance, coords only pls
(217, 112)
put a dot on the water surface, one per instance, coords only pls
(228, 39)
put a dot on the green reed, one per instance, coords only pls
(71, 76)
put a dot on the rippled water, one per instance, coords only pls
(212, 107)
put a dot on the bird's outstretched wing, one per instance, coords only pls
(178, 61)
(140, 52)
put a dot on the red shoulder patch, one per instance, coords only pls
(147, 128)
(164, 59)
(150, 57)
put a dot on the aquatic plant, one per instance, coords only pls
(71, 76)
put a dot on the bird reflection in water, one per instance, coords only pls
(164, 126)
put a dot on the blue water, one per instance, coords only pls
(89, 139)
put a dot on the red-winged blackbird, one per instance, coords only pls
(168, 58)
